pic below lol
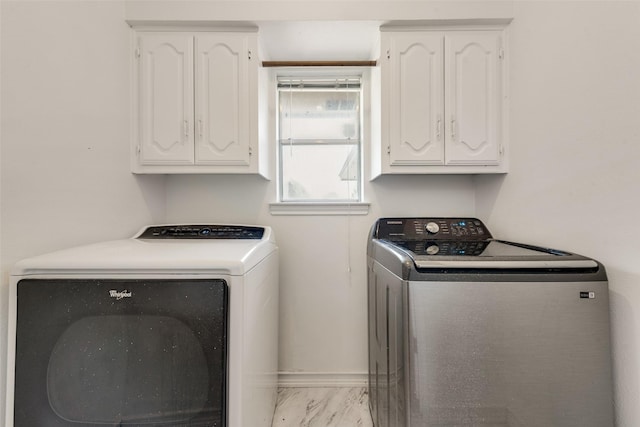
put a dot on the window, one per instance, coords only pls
(319, 139)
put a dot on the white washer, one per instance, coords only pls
(175, 326)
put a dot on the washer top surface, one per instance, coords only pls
(466, 243)
(166, 249)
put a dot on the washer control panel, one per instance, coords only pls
(444, 247)
(454, 229)
(202, 232)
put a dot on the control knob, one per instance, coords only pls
(433, 250)
(432, 227)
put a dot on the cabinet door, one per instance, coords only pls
(473, 94)
(165, 99)
(416, 99)
(222, 99)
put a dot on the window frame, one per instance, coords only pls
(320, 207)
(322, 86)
(368, 76)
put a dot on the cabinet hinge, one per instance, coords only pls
(389, 149)
(501, 53)
(249, 54)
(388, 53)
(250, 151)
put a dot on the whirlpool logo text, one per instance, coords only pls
(118, 295)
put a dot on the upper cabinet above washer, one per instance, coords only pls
(442, 102)
(196, 103)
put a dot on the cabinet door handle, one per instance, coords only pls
(453, 129)
(200, 127)
(439, 128)
(186, 129)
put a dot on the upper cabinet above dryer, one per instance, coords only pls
(442, 101)
(196, 103)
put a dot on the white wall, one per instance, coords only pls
(575, 138)
(315, 10)
(323, 259)
(65, 128)
(65, 134)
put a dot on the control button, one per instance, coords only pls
(432, 227)
(433, 250)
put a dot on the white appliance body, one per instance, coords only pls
(248, 267)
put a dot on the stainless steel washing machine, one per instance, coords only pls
(468, 330)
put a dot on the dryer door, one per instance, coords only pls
(121, 353)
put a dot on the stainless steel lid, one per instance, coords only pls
(466, 243)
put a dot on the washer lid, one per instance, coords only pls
(492, 254)
(154, 256)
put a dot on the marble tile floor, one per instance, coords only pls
(322, 407)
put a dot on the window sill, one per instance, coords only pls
(319, 208)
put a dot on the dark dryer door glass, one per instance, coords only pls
(121, 353)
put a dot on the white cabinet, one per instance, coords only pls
(196, 103)
(165, 105)
(442, 102)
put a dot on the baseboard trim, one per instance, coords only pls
(322, 379)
